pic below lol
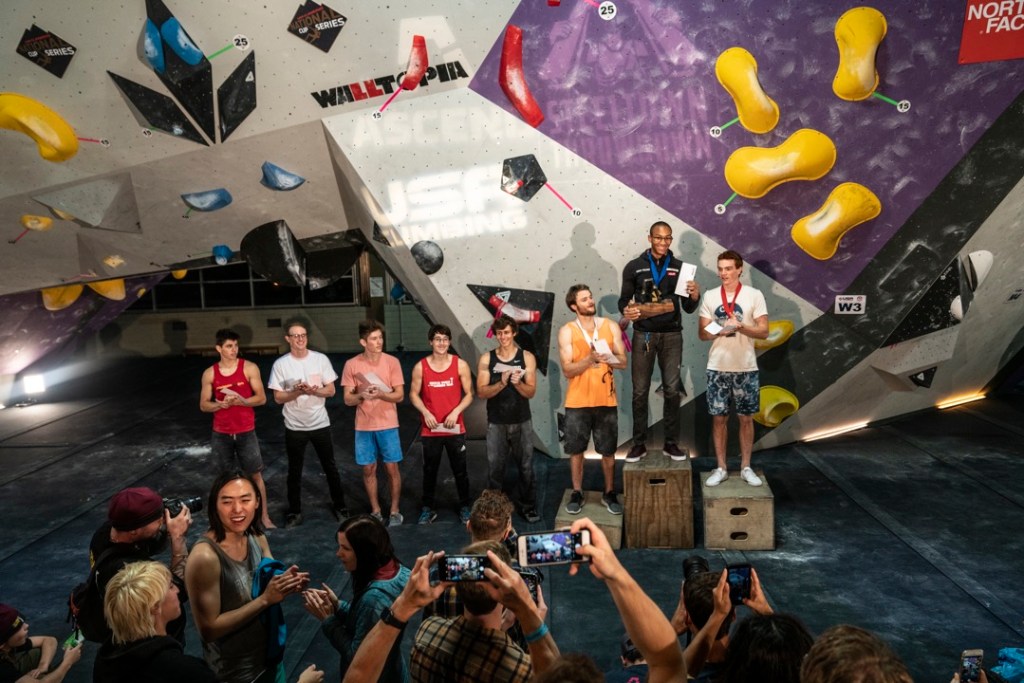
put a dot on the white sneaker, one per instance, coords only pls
(717, 477)
(748, 476)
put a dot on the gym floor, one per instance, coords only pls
(911, 529)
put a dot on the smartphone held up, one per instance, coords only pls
(970, 666)
(551, 547)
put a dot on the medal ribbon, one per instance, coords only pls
(730, 307)
(655, 274)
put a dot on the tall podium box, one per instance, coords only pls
(738, 516)
(658, 508)
(593, 508)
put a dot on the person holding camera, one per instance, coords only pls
(475, 645)
(139, 527)
(706, 616)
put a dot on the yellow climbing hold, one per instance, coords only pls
(859, 32)
(779, 332)
(36, 222)
(736, 70)
(805, 155)
(776, 405)
(179, 274)
(54, 137)
(111, 289)
(849, 205)
(59, 298)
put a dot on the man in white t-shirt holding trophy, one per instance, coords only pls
(731, 318)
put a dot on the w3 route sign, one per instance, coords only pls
(851, 304)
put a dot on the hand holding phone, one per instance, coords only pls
(739, 583)
(551, 547)
(461, 568)
(970, 665)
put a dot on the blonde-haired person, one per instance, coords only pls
(140, 600)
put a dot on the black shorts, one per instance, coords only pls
(602, 422)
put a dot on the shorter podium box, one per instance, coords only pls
(738, 516)
(593, 508)
(658, 493)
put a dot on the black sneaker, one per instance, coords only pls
(575, 505)
(341, 514)
(611, 502)
(292, 520)
(531, 516)
(636, 453)
(675, 452)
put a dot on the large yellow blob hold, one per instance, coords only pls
(779, 332)
(805, 155)
(736, 70)
(849, 205)
(776, 405)
(54, 137)
(859, 32)
(59, 298)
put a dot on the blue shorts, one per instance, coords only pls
(385, 443)
(744, 388)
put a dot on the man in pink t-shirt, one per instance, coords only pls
(373, 383)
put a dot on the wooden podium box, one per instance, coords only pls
(593, 508)
(738, 516)
(658, 493)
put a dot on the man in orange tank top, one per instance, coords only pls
(230, 390)
(590, 348)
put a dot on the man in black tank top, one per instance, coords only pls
(506, 378)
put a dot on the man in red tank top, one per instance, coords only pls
(441, 389)
(230, 390)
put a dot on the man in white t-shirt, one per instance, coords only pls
(737, 316)
(372, 382)
(302, 381)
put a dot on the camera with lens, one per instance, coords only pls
(174, 505)
(694, 564)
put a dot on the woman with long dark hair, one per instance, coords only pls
(365, 550)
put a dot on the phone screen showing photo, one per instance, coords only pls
(970, 666)
(739, 583)
(553, 547)
(462, 567)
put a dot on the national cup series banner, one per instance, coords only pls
(993, 31)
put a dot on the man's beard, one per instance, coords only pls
(154, 545)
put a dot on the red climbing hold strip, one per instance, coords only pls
(417, 64)
(512, 80)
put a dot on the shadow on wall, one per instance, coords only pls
(584, 264)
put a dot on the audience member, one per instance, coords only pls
(140, 601)
(849, 654)
(365, 550)
(634, 666)
(24, 658)
(138, 528)
(767, 648)
(475, 646)
(572, 667)
(698, 603)
(220, 575)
